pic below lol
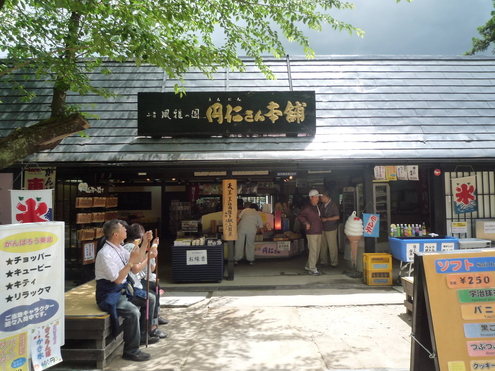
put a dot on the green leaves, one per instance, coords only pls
(487, 32)
(64, 40)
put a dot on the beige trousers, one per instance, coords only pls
(329, 246)
(314, 242)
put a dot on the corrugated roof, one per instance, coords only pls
(369, 109)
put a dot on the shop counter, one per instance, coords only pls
(197, 263)
(278, 249)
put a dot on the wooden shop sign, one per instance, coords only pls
(227, 114)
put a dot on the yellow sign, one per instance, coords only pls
(229, 216)
(461, 291)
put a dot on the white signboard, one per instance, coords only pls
(411, 249)
(489, 227)
(448, 246)
(196, 257)
(430, 247)
(31, 279)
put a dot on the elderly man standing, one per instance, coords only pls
(309, 216)
(330, 216)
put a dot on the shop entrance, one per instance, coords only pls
(163, 199)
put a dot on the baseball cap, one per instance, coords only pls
(314, 193)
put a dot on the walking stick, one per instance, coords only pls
(157, 289)
(147, 295)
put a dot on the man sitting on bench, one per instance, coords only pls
(112, 266)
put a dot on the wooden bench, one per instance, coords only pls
(408, 284)
(88, 333)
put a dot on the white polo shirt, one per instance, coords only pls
(110, 260)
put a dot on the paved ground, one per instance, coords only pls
(281, 330)
(274, 316)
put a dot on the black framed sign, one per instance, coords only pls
(226, 113)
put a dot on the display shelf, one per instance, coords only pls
(92, 213)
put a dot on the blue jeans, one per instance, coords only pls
(132, 316)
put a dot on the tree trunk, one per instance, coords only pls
(44, 135)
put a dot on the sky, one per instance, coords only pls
(421, 27)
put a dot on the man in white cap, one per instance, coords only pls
(310, 217)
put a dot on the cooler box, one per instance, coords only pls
(474, 243)
(403, 248)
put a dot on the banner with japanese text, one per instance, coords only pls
(229, 203)
(371, 225)
(31, 285)
(36, 178)
(14, 353)
(31, 206)
(464, 192)
(45, 346)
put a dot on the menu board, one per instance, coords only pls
(454, 311)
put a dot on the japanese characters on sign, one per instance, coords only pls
(36, 178)
(31, 285)
(45, 346)
(229, 216)
(226, 113)
(461, 289)
(196, 257)
(14, 352)
(400, 172)
(31, 206)
(465, 195)
(371, 225)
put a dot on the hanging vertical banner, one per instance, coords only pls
(412, 172)
(464, 192)
(390, 173)
(31, 206)
(39, 178)
(371, 225)
(401, 172)
(229, 196)
(379, 172)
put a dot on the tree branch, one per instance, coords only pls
(41, 136)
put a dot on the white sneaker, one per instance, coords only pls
(314, 273)
(307, 268)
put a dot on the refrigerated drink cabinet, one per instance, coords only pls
(381, 201)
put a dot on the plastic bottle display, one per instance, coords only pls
(407, 230)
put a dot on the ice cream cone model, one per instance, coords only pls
(354, 241)
(354, 230)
